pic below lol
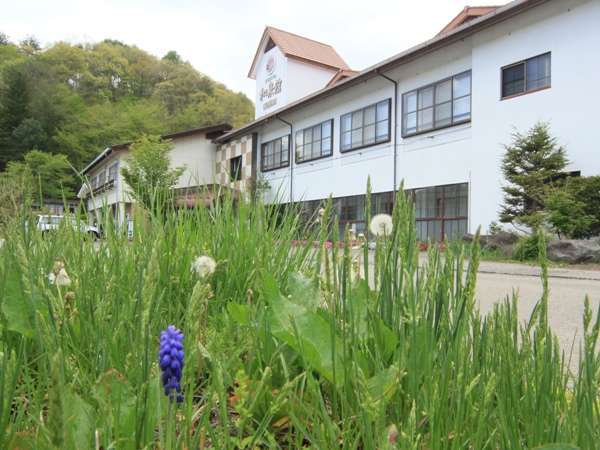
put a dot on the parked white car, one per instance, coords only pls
(51, 223)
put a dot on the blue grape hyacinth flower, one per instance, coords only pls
(170, 358)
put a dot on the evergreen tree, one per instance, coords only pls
(13, 111)
(533, 162)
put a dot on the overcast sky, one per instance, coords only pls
(220, 37)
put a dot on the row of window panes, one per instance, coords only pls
(365, 126)
(441, 104)
(444, 103)
(100, 179)
(275, 153)
(314, 142)
(438, 208)
(529, 75)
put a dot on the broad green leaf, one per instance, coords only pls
(239, 313)
(19, 313)
(309, 335)
(304, 291)
(386, 339)
(383, 385)
(78, 420)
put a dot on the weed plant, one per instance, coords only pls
(285, 346)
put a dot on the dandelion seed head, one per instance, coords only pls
(381, 225)
(62, 278)
(204, 266)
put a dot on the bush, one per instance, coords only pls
(527, 248)
(574, 210)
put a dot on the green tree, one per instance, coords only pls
(13, 111)
(574, 209)
(76, 100)
(149, 174)
(50, 175)
(533, 162)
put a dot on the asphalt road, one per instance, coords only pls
(568, 289)
(565, 302)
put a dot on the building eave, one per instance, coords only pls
(212, 132)
(436, 43)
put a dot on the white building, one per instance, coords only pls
(192, 149)
(434, 116)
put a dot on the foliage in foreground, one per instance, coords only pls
(284, 347)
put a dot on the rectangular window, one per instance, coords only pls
(275, 154)
(101, 178)
(441, 211)
(526, 76)
(367, 126)
(438, 105)
(235, 166)
(112, 172)
(314, 142)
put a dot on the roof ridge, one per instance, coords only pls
(300, 36)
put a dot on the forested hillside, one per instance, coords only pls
(77, 99)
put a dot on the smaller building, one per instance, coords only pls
(105, 188)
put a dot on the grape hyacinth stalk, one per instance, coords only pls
(171, 362)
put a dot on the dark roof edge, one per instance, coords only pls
(208, 130)
(500, 15)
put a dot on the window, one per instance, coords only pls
(314, 142)
(526, 76)
(367, 126)
(112, 172)
(441, 211)
(235, 166)
(101, 178)
(275, 154)
(438, 105)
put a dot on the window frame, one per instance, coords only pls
(262, 153)
(116, 172)
(524, 63)
(237, 176)
(451, 101)
(312, 127)
(351, 113)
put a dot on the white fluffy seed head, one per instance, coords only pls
(204, 266)
(2, 242)
(62, 278)
(381, 225)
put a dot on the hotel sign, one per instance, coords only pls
(270, 92)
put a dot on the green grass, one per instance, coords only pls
(285, 347)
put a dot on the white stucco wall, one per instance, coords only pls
(297, 79)
(470, 152)
(304, 78)
(197, 155)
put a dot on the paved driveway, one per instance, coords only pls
(568, 289)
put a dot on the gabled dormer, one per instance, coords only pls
(287, 67)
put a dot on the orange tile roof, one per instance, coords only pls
(301, 48)
(468, 13)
